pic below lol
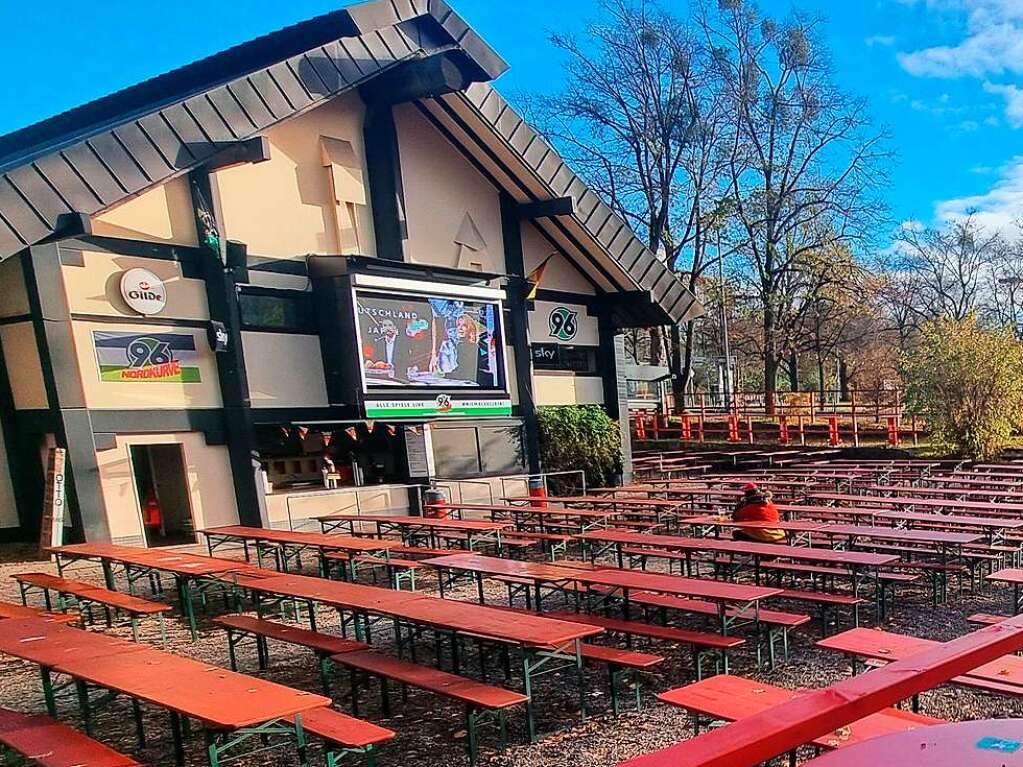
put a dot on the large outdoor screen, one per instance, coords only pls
(410, 340)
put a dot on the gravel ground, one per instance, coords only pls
(431, 730)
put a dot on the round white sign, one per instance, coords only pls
(143, 291)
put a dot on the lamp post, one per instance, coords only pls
(724, 326)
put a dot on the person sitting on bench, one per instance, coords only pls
(756, 506)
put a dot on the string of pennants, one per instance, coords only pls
(352, 431)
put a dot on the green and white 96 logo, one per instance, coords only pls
(563, 324)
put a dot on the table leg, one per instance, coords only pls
(48, 694)
(185, 595)
(83, 706)
(527, 690)
(108, 575)
(179, 746)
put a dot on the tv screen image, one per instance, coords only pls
(429, 342)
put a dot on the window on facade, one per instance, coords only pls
(455, 453)
(479, 451)
(263, 311)
(581, 360)
(502, 449)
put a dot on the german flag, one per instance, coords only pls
(534, 277)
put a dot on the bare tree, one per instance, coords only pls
(640, 117)
(949, 268)
(804, 161)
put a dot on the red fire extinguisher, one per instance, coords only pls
(152, 515)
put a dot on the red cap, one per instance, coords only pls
(750, 486)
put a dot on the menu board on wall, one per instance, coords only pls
(419, 450)
(51, 528)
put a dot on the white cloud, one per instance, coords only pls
(883, 41)
(990, 44)
(1013, 101)
(994, 49)
(999, 208)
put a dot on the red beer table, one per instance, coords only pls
(188, 570)
(984, 743)
(622, 582)
(419, 530)
(1014, 576)
(787, 726)
(542, 642)
(231, 706)
(291, 543)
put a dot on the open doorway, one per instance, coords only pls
(162, 488)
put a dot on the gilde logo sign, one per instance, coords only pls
(143, 291)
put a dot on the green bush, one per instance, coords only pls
(966, 381)
(574, 437)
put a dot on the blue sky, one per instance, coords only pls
(941, 75)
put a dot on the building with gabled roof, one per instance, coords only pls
(291, 278)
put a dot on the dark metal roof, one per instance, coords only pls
(96, 155)
(99, 154)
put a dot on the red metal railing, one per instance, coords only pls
(799, 418)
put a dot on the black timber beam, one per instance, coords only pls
(72, 420)
(251, 150)
(222, 297)
(559, 206)
(422, 78)
(386, 194)
(518, 320)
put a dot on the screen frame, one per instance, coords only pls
(397, 289)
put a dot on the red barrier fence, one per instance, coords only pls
(799, 417)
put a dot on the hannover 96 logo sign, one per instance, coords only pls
(563, 323)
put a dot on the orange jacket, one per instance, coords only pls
(760, 511)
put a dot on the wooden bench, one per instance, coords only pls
(986, 619)
(778, 623)
(727, 698)
(354, 736)
(482, 701)
(48, 743)
(242, 627)
(701, 642)
(825, 602)
(12, 610)
(411, 552)
(621, 664)
(511, 545)
(84, 595)
(552, 543)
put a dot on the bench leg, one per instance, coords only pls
(325, 671)
(140, 733)
(471, 735)
(613, 676)
(48, 694)
(230, 649)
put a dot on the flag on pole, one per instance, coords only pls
(534, 277)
